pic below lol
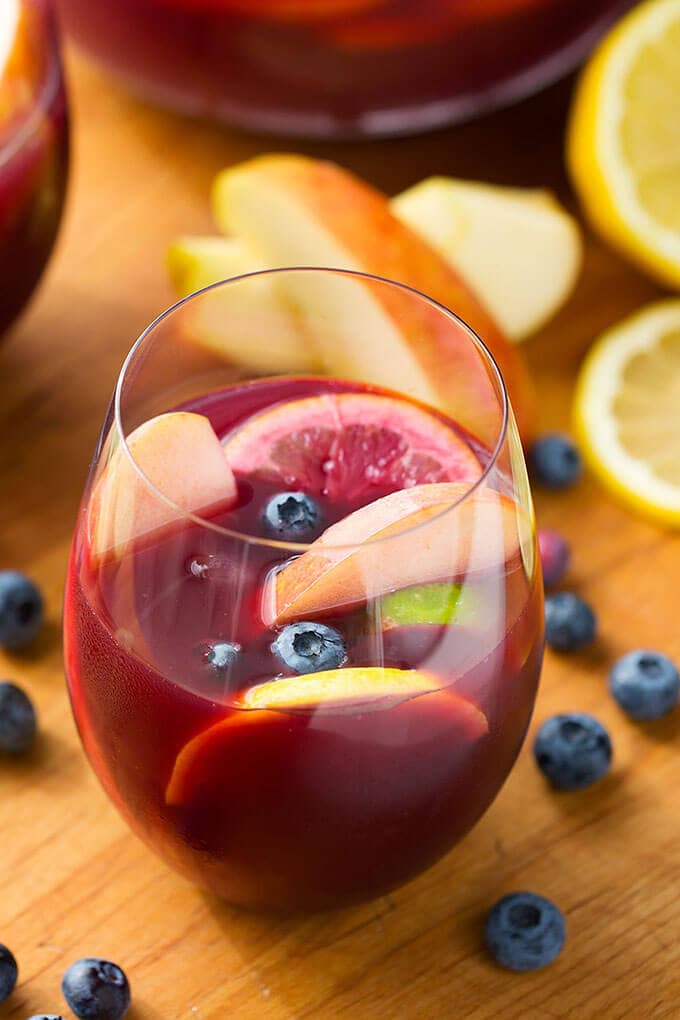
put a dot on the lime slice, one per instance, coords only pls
(438, 604)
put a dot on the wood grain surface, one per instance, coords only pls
(74, 882)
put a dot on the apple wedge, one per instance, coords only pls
(516, 247)
(299, 211)
(410, 537)
(195, 261)
(182, 459)
(249, 323)
(201, 762)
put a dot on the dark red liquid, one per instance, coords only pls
(33, 171)
(300, 808)
(378, 67)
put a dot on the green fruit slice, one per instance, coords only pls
(440, 604)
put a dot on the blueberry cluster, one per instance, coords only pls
(573, 750)
(94, 989)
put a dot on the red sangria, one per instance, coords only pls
(337, 67)
(33, 148)
(303, 618)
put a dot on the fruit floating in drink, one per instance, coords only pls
(303, 617)
(334, 67)
(33, 148)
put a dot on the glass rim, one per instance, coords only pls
(300, 547)
(44, 95)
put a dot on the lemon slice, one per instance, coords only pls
(627, 411)
(623, 143)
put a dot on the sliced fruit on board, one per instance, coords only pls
(517, 248)
(248, 322)
(299, 211)
(623, 143)
(410, 537)
(196, 261)
(626, 411)
(202, 760)
(345, 445)
(182, 458)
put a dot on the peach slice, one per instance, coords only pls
(299, 211)
(410, 537)
(366, 689)
(181, 457)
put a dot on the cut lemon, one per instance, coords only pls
(623, 145)
(627, 411)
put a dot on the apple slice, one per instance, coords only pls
(364, 689)
(183, 461)
(517, 247)
(410, 537)
(299, 211)
(250, 323)
(195, 261)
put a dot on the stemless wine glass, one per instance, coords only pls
(33, 150)
(303, 619)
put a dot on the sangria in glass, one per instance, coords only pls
(304, 616)
(33, 148)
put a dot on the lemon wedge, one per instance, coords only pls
(627, 411)
(623, 141)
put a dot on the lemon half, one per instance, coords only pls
(623, 143)
(627, 411)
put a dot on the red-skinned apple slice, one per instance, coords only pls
(299, 211)
(373, 688)
(182, 458)
(409, 537)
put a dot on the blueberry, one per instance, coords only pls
(569, 622)
(524, 931)
(292, 516)
(645, 684)
(96, 990)
(21, 610)
(8, 973)
(555, 556)
(309, 647)
(17, 719)
(573, 750)
(219, 655)
(555, 461)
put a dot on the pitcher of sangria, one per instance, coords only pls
(338, 67)
(304, 618)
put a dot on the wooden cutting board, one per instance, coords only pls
(74, 882)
